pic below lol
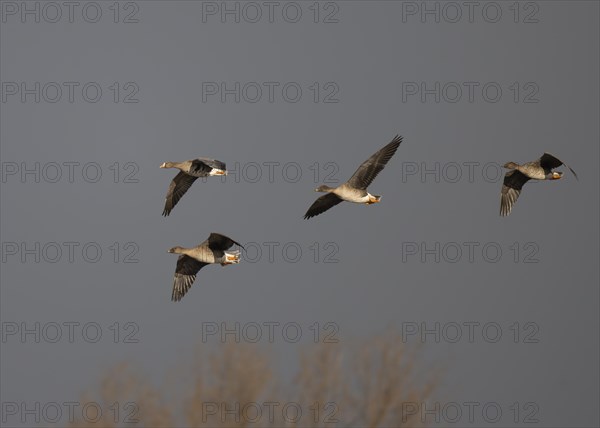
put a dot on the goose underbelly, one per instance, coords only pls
(357, 197)
(533, 172)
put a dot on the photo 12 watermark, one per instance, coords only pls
(291, 252)
(470, 332)
(470, 92)
(471, 413)
(69, 252)
(451, 172)
(270, 12)
(69, 332)
(277, 171)
(470, 252)
(69, 172)
(260, 413)
(269, 332)
(61, 413)
(71, 92)
(61, 12)
(270, 92)
(456, 12)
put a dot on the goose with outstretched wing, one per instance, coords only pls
(191, 260)
(355, 189)
(189, 171)
(518, 175)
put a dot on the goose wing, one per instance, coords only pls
(209, 164)
(179, 185)
(368, 170)
(322, 204)
(549, 162)
(511, 189)
(202, 167)
(185, 275)
(218, 242)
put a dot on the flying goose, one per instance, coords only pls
(540, 169)
(191, 260)
(355, 189)
(190, 171)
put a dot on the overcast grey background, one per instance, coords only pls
(368, 53)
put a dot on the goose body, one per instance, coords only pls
(212, 251)
(518, 175)
(355, 189)
(190, 171)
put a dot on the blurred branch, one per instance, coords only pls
(234, 386)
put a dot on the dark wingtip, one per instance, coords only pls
(574, 173)
(395, 143)
(398, 139)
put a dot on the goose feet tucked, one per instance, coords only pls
(231, 258)
(373, 199)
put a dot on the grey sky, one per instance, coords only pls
(366, 61)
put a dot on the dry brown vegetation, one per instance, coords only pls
(236, 386)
